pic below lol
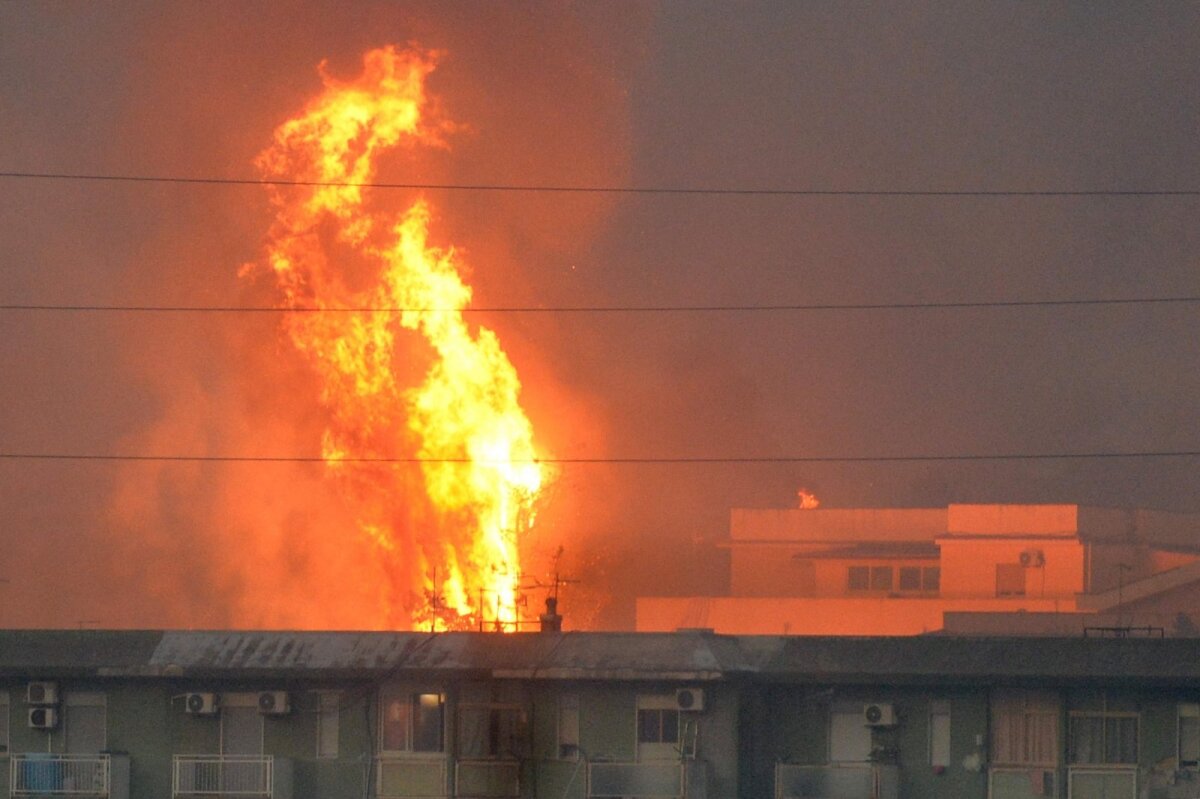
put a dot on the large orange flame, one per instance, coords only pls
(451, 536)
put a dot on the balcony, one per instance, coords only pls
(673, 780)
(413, 777)
(41, 774)
(1022, 782)
(232, 776)
(487, 779)
(865, 781)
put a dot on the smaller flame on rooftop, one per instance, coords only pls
(807, 500)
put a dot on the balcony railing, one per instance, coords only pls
(1084, 782)
(230, 775)
(865, 781)
(59, 775)
(487, 778)
(678, 779)
(1022, 782)
(412, 777)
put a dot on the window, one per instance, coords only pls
(84, 722)
(412, 722)
(931, 579)
(568, 727)
(859, 578)
(3, 723)
(491, 732)
(328, 712)
(1010, 579)
(663, 733)
(1108, 738)
(1025, 729)
(939, 733)
(658, 726)
(849, 737)
(881, 578)
(910, 578)
(1189, 736)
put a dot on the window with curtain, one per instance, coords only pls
(1103, 738)
(1025, 728)
(412, 722)
(491, 732)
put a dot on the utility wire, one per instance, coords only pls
(1024, 456)
(608, 309)
(564, 189)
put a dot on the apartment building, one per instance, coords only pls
(996, 569)
(291, 715)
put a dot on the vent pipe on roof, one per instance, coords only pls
(551, 620)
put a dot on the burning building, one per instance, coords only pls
(992, 569)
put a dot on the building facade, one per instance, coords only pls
(580, 715)
(1000, 569)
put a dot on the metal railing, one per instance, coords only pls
(1089, 782)
(1022, 782)
(59, 775)
(223, 775)
(666, 779)
(411, 777)
(487, 778)
(846, 781)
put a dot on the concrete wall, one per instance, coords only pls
(1016, 520)
(785, 571)
(838, 524)
(821, 616)
(969, 566)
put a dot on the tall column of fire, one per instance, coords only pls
(450, 532)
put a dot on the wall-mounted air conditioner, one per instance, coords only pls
(201, 704)
(41, 693)
(1032, 558)
(691, 699)
(273, 703)
(879, 715)
(43, 718)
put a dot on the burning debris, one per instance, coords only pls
(451, 534)
(807, 500)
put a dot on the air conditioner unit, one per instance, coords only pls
(1031, 558)
(41, 693)
(879, 715)
(273, 703)
(690, 699)
(201, 704)
(43, 718)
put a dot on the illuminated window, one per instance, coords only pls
(412, 722)
(1189, 736)
(328, 712)
(881, 578)
(859, 578)
(1010, 579)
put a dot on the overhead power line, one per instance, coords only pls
(566, 189)
(1023, 456)
(604, 309)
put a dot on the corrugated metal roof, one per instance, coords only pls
(582, 655)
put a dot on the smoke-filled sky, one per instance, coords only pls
(840, 96)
